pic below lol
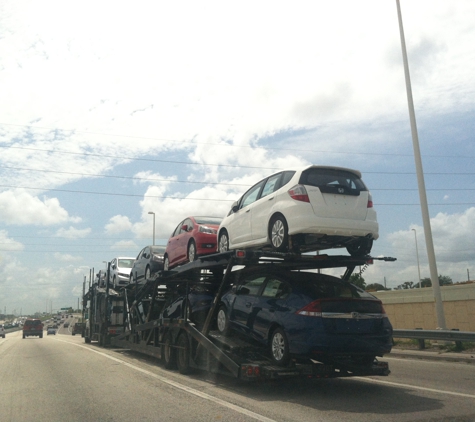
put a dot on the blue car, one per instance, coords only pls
(305, 315)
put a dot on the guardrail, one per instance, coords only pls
(442, 335)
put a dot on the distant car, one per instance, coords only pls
(307, 209)
(66, 325)
(2, 331)
(120, 271)
(78, 328)
(148, 262)
(51, 330)
(305, 315)
(33, 327)
(193, 237)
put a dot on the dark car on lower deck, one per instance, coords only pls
(305, 315)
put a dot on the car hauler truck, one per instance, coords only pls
(183, 343)
(104, 314)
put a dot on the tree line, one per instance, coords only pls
(359, 281)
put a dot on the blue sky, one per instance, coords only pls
(112, 110)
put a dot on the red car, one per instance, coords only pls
(193, 237)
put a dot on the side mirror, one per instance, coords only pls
(235, 207)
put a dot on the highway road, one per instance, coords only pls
(59, 378)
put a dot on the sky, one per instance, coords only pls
(110, 110)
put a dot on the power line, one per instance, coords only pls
(175, 141)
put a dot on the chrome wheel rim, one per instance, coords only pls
(191, 252)
(278, 346)
(221, 320)
(277, 233)
(223, 243)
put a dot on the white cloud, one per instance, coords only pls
(7, 244)
(125, 245)
(73, 233)
(67, 257)
(21, 208)
(118, 224)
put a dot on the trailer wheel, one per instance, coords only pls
(279, 347)
(183, 354)
(222, 320)
(168, 353)
(87, 340)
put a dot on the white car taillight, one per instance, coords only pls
(299, 193)
(370, 201)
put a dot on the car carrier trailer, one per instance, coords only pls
(184, 344)
(104, 314)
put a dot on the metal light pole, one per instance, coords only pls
(439, 307)
(150, 212)
(417, 255)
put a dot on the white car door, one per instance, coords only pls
(261, 209)
(239, 226)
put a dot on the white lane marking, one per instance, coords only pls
(182, 387)
(415, 387)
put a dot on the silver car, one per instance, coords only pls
(301, 210)
(120, 271)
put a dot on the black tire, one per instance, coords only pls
(131, 279)
(166, 263)
(223, 242)
(183, 354)
(168, 352)
(24, 336)
(279, 347)
(191, 253)
(360, 247)
(41, 335)
(222, 320)
(114, 282)
(279, 233)
(147, 273)
(87, 340)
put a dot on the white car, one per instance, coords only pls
(301, 210)
(120, 271)
(2, 331)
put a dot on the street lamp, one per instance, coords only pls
(150, 212)
(417, 254)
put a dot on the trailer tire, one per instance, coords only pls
(183, 354)
(279, 347)
(168, 353)
(87, 340)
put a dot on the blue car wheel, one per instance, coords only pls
(279, 347)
